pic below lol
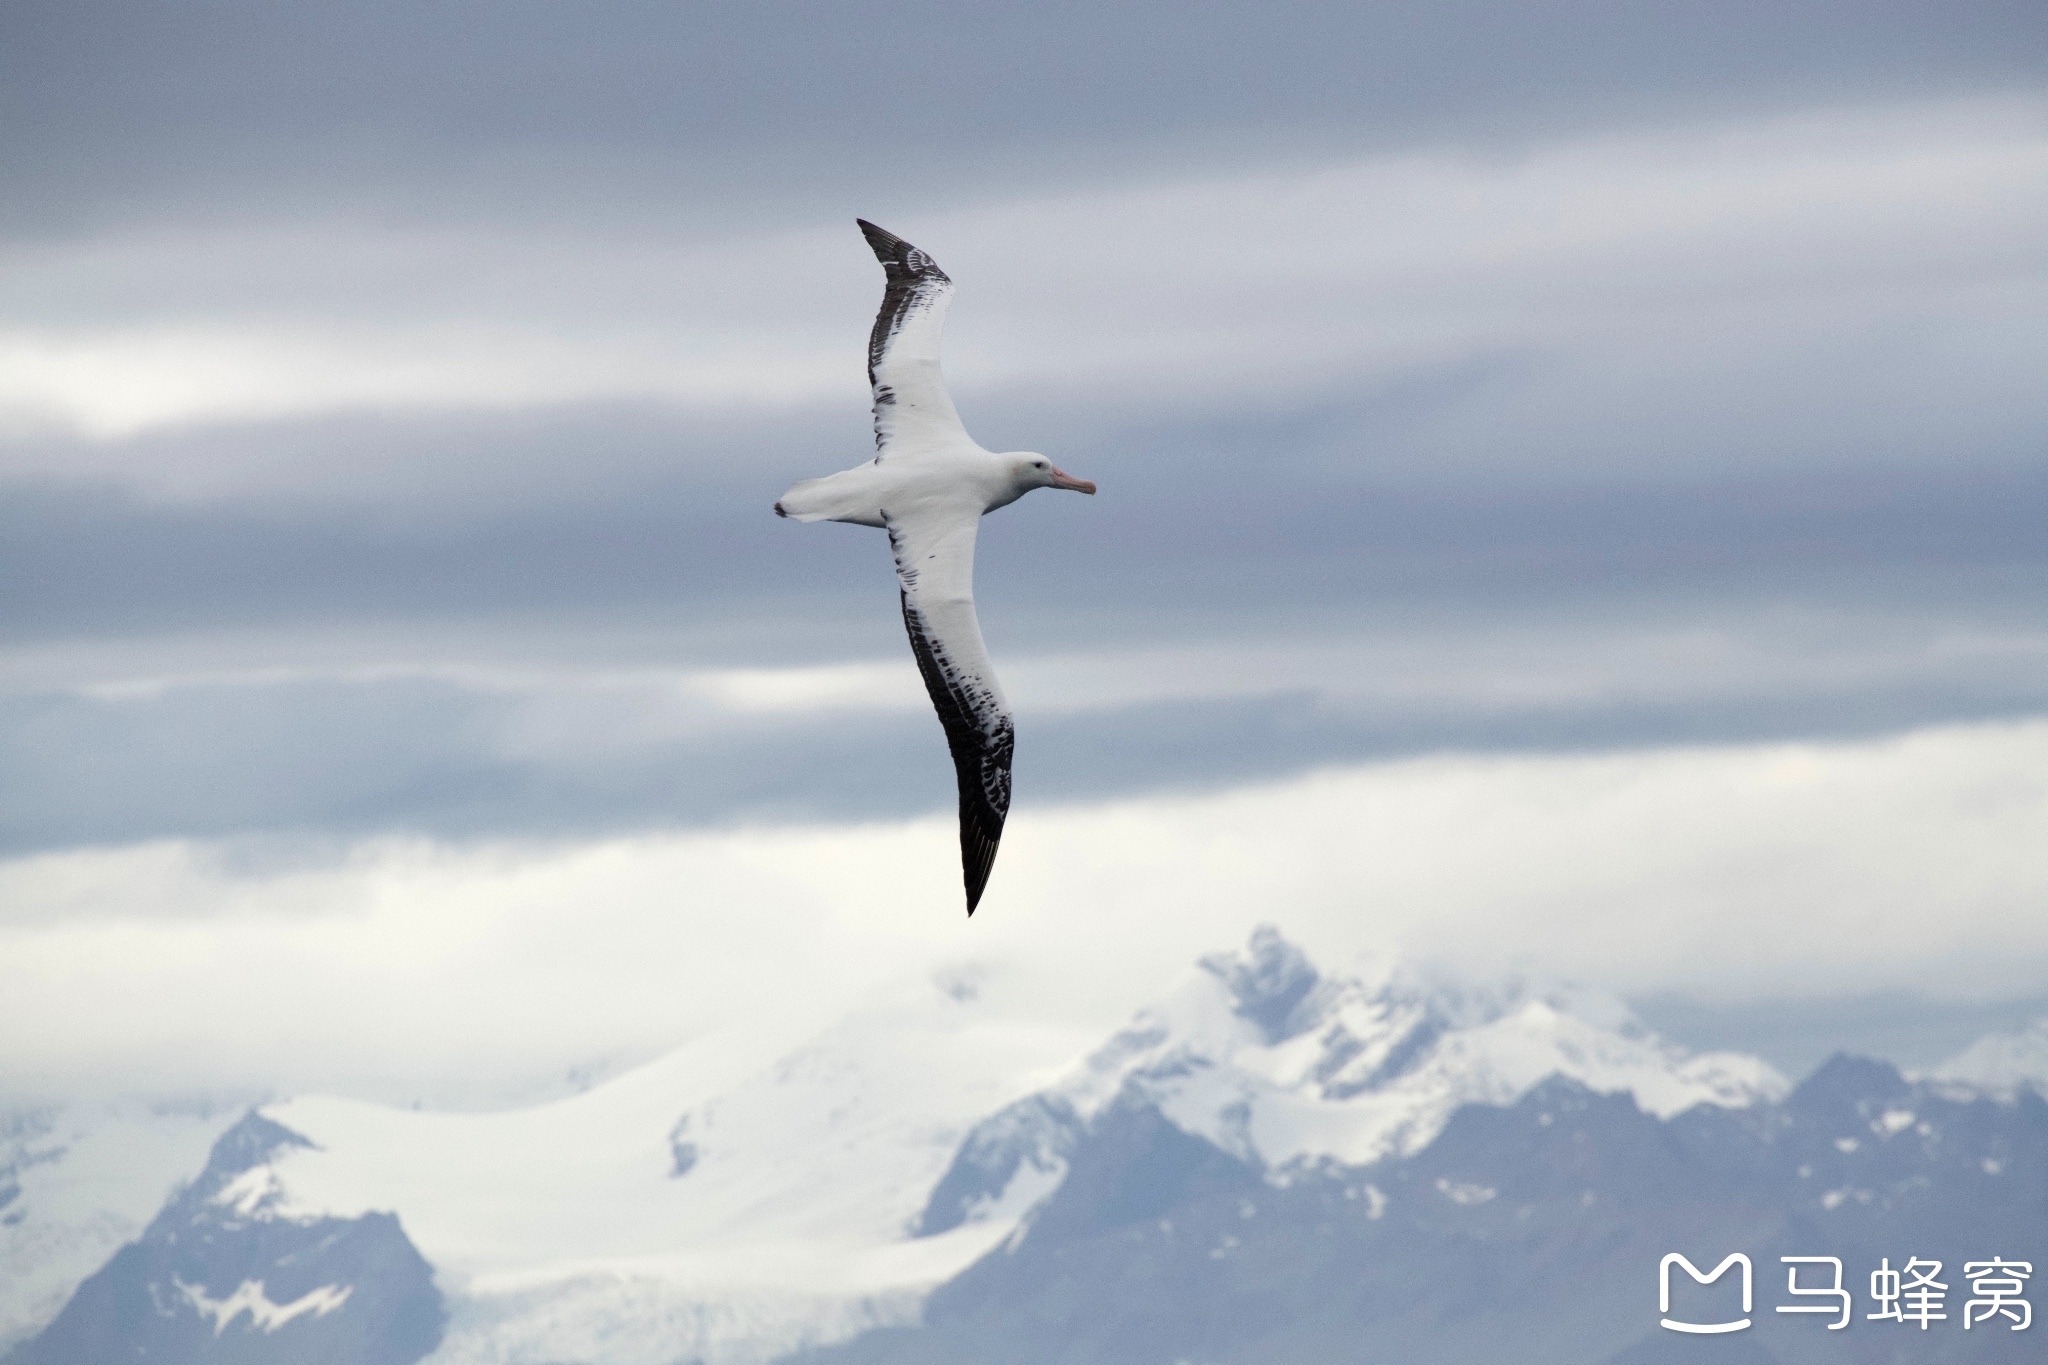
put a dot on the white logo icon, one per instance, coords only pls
(1664, 1291)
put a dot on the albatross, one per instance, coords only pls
(929, 486)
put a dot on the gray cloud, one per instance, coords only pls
(719, 111)
(578, 754)
(1197, 524)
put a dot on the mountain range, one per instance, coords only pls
(1273, 1163)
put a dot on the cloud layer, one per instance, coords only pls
(726, 112)
(1763, 871)
(1720, 249)
(1571, 480)
(559, 749)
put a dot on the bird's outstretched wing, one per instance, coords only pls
(913, 411)
(935, 567)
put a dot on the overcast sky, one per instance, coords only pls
(1516, 395)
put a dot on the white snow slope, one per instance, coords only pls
(755, 1190)
(746, 1194)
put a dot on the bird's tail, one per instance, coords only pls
(835, 497)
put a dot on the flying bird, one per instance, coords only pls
(928, 486)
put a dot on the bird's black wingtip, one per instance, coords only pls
(887, 245)
(899, 257)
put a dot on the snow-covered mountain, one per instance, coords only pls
(1271, 1061)
(1278, 1065)
(2000, 1064)
(76, 1182)
(220, 1275)
(793, 1181)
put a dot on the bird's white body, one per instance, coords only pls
(945, 484)
(928, 486)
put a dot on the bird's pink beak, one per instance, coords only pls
(1062, 479)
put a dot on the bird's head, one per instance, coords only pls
(1032, 470)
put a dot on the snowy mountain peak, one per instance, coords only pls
(252, 1142)
(1277, 1063)
(240, 1178)
(224, 1273)
(1999, 1065)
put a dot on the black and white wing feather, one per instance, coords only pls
(913, 411)
(935, 568)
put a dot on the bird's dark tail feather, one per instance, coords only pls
(978, 842)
